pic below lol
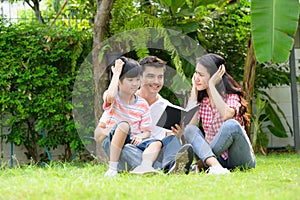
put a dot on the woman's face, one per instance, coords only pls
(201, 77)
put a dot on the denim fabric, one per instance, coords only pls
(112, 131)
(131, 156)
(144, 144)
(231, 137)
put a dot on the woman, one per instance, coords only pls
(222, 142)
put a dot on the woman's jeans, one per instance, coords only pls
(231, 137)
(131, 156)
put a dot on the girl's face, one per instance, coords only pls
(201, 77)
(130, 85)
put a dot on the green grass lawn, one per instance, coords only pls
(275, 177)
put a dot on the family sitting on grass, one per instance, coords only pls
(132, 106)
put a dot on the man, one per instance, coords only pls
(172, 158)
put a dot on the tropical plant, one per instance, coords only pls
(274, 24)
(265, 117)
(259, 140)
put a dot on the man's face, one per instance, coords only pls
(153, 79)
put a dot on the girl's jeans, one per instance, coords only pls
(231, 137)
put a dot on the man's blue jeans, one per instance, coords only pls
(131, 156)
(231, 137)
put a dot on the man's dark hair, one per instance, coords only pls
(152, 61)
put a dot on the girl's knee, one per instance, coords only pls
(99, 135)
(157, 144)
(124, 126)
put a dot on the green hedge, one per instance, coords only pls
(38, 68)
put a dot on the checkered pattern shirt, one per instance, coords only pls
(212, 120)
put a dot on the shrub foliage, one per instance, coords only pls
(38, 69)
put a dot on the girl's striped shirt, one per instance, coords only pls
(137, 114)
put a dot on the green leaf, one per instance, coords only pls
(279, 110)
(189, 27)
(274, 118)
(176, 5)
(275, 131)
(274, 24)
(167, 3)
(204, 2)
(185, 12)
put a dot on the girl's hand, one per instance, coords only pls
(136, 140)
(217, 77)
(117, 68)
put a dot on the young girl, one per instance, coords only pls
(126, 116)
(223, 143)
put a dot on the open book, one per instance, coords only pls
(176, 115)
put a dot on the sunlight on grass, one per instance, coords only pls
(276, 177)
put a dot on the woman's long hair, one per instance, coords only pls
(228, 85)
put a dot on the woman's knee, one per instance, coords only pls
(233, 125)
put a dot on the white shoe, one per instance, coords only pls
(110, 173)
(195, 168)
(217, 170)
(140, 170)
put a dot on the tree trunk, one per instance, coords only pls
(249, 77)
(36, 8)
(100, 26)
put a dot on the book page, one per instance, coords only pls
(176, 115)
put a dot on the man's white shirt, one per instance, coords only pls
(156, 110)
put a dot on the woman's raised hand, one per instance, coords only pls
(194, 91)
(217, 77)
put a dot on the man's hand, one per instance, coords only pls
(178, 130)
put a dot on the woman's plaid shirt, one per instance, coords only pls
(212, 120)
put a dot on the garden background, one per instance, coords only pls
(55, 46)
(43, 50)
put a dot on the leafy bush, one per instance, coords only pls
(38, 69)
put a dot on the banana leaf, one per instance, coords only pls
(274, 24)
